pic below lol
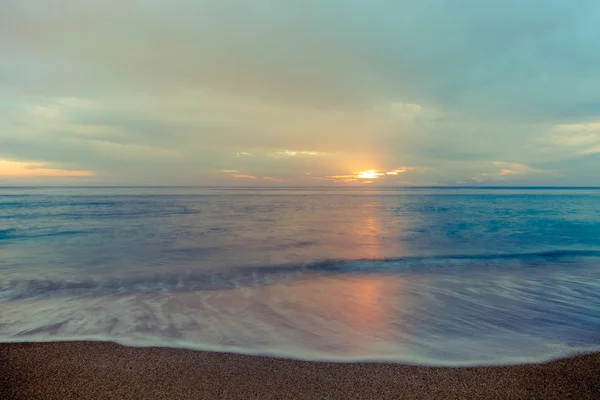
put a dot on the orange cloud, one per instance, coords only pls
(272, 179)
(264, 178)
(242, 176)
(508, 168)
(17, 169)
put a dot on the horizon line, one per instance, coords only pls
(293, 187)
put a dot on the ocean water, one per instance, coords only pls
(420, 276)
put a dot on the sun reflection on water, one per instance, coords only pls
(355, 309)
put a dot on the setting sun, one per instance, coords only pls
(370, 174)
(367, 176)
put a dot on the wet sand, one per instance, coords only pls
(97, 370)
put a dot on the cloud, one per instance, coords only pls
(273, 179)
(243, 176)
(295, 153)
(171, 92)
(261, 178)
(490, 58)
(591, 150)
(45, 112)
(509, 168)
(583, 138)
(585, 127)
(506, 173)
(28, 170)
(578, 139)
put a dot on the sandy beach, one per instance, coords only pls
(98, 370)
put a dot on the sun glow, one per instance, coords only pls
(370, 174)
(18, 169)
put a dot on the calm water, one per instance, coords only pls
(427, 276)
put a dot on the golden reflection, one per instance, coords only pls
(366, 305)
(371, 236)
(366, 313)
(358, 315)
(355, 314)
(369, 314)
(370, 302)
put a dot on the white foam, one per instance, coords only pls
(481, 319)
(306, 355)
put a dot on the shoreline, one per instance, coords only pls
(106, 370)
(313, 357)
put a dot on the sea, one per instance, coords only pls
(424, 276)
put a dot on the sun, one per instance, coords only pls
(370, 174)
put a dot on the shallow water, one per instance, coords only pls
(422, 276)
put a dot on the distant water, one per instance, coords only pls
(420, 276)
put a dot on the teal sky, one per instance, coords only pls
(299, 92)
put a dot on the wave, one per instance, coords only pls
(193, 280)
(103, 215)
(9, 234)
(462, 313)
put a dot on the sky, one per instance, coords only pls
(271, 92)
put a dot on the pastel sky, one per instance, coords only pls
(272, 92)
